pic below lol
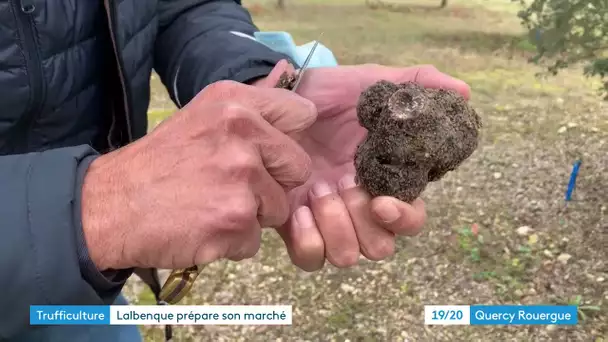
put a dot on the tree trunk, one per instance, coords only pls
(444, 3)
(281, 4)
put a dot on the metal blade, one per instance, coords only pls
(305, 65)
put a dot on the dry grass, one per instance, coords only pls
(534, 130)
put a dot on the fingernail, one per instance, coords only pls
(388, 212)
(347, 182)
(321, 189)
(303, 217)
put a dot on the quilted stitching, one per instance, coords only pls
(73, 53)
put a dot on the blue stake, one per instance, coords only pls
(572, 182)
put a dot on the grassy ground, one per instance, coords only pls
(530, 247)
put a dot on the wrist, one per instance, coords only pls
(99, 214)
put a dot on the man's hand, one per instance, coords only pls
(200, 186)
(334, 218)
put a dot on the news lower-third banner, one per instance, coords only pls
(282, 315)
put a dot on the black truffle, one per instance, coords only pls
(415, 136)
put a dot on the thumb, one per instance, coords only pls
(426, 75)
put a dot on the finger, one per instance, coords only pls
(285, 110)
(303, 240)
(283, 158)
(245, 246)
(376, 242)
(399, 217)
(273, 207)
(335, 225)
(247, 171)
(430, 77)
(425, 75)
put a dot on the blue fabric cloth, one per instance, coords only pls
(82, 333)
(282, 42)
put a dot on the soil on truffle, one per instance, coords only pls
(415, 136)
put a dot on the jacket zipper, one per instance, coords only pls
(110, 11)
(24, 10)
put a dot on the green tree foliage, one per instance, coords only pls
(569, 32)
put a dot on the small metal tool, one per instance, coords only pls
(305, 65)
(180, 281)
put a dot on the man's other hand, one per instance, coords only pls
(200, 186)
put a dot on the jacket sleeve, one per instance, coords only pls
(43, 256)
(204, 41)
